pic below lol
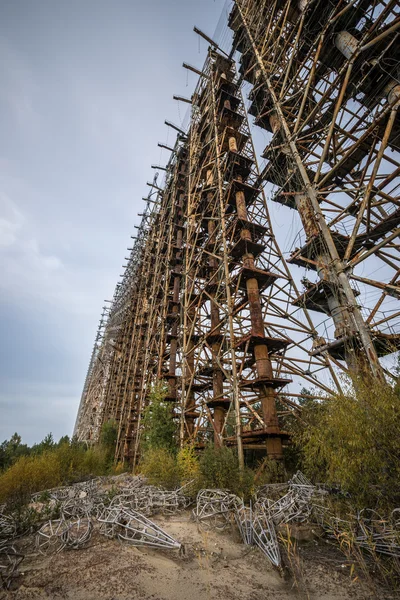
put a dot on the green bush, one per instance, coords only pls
(61, 465)
(108, 438)
(27, 475)
(160, 467)
(188, 464)
(159, 428)
(270, 471)
(353, 439)
(219, 468)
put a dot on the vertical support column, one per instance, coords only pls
(261, 356)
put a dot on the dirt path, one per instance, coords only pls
(215, 567)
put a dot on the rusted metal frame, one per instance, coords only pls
(198, 346)
(255, 414)
(285, 270)
(385, 198)
(383, 15)
(235, 388)
(278, 58)
(359, 127)
(172, 210)
(314, 61)
(361, 182)
(324, 96)
(111, 388)
(360, 256)
(311, 361)
(380, 57)
(386, 319)
(210, 419)
(121, 401)
(271, 20)
(310, 81)
(344, 213)
(85, 405)
(378, 284)
(383, 35)
(292, 369)
(132, 344)
(138, 397)
(289, 43)
(385, 256)
(334, 116)
(383, 296)
(310, 396)
(354, 147)
(339, 365)
(311, 332)
(371, 202)
(168, 272)
(276, 30)
(368, 191)
(342, 276)
(188, 317)
(290, 365)
(140, 355)
(141, 398)
(133, 399)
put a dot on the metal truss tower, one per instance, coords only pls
(325, 86)
(207, 302)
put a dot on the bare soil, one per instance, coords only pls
(215, 566)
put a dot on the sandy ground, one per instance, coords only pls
(215, 566)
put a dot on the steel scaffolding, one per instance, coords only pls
(325, 86)
(207, 302)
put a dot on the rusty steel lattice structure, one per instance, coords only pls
(243, 339)
(324, 80)
(207, 302)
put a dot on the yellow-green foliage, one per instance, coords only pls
(188, 464)
(219, 468)
(216, 468)
(159, 427)
(160, 467)
(28, 475)
(353, 439)
(270, 471)
(61, 465)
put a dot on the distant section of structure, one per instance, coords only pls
(207, 302)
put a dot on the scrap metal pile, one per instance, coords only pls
(295, 502)
(120, 507)
(257, 522)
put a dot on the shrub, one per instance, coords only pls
(108, 438)
(188, 464)
(189, 470)
(120, 467)
(11, 450)
(160, 467)
(219, 468)
(270, 471)
(63, 464)
(28, 475)
(353, 439)
(159, 428)
(95, 461)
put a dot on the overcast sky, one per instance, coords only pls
(85, 86)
